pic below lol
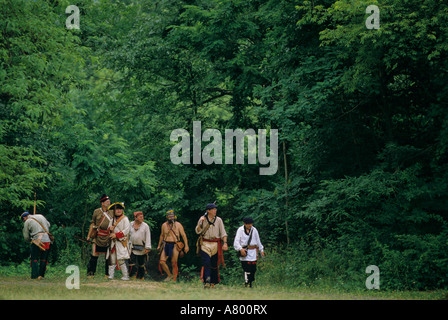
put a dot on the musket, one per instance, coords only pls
(34, 210)
(83, 240)
(38, 243)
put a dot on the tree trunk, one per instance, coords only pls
(83, 246)
(286, 193)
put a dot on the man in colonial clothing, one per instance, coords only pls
(99, 232)
(35, 230)
(247, 243)
(212, 242)
(169, 242)
(118, 251)
(140, 237)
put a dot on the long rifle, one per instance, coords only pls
(83, 240)
(34, 209)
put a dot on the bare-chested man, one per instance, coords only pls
(169, 236)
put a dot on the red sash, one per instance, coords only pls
(103, 233)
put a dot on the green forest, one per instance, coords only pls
(361, 114)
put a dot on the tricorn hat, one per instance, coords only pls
(116, 205)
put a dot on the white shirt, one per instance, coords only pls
(32, 230)
(141, 237)
(123, 227)
(241, 240)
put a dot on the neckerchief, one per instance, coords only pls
(209, 222)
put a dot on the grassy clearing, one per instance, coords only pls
(22, 288)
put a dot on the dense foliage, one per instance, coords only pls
(362, 118)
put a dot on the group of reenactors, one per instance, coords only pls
(126, 244)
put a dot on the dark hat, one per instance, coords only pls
(116, 205)
(104, 198)
(248, 220)
(24, 214)
(211, 206)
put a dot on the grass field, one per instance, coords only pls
(23, 288)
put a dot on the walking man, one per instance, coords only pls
(247, 243)
(118, 251)
(99, 232)
(36, 230)
(170, 245)
(140, 237)
(211, 244)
